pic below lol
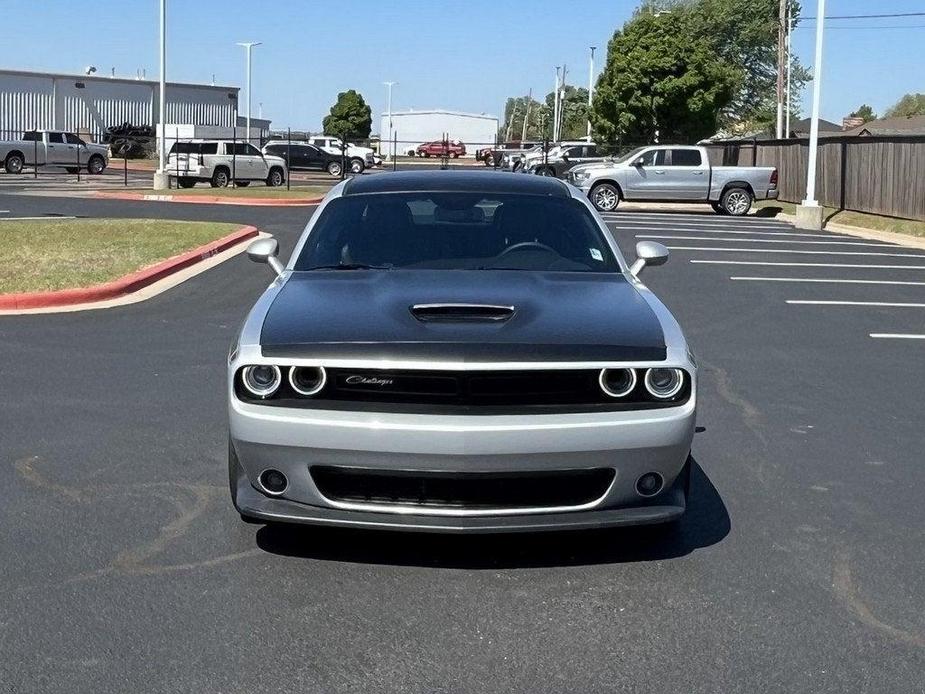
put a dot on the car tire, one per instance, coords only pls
(334, 168)
(717, 208)
(242, 184)
(186, 182)
(605, 197)
(455, 155)
(96, 165)
(736, 201)
(14, 163)
(220, 178)
(357, 166)
(487, 160)
(275, 178)
(71, 169)
(426, 155)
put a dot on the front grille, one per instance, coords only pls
(470, 490)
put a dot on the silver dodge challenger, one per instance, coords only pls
(459, 352)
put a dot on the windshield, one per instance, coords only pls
(457, 231)
(629, 155)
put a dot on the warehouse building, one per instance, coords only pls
(475, 130)
(91, 104)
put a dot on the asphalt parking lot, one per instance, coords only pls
(797, 568)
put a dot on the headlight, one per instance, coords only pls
(261, 380)
(581, 175)
(664, 383)
(617, 382)
(307, 380)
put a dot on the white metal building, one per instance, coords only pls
(88, 103)
(475, 130)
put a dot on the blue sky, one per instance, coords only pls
(456, 54)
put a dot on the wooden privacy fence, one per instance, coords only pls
(880, 175)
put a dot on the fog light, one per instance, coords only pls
(261, 380)
(649, 484)
(307, 380)
(617, 382)
(273, 481)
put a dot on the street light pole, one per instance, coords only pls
(248, 45)
(161, 180)
(781, 14)
(389, 109)
(555, 106)
(789, 69)
(590, 88)
(809, 213)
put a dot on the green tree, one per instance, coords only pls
(909, 105)
(662, 78)
(732, 41)
(350, 116)
(574, 112)
(865, 112)
(514, 111)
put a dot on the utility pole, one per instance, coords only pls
(781, 17)
(523, 131)
(247, 47)
(161, 179)
(510, 122)
(389, 110)
(809, 213)
(590, 88)
(789, 68)
(561, 102)
(555, 106)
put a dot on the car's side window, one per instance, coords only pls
(654, 157)
(72, 139)
(56, 138)
(685, 157)
(250, 150)
(208, 148)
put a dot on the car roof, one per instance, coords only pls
(456, 182)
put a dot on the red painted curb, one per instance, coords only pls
(210, 199)
(128, 283)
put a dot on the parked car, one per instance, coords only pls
(492, 156)
(218, 163)
(360, 157)
(453, 148)
(55, 148)
(673, 173)
(513, 374)
(566, 157)
(304, 157)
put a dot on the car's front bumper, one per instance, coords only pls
(293, 440)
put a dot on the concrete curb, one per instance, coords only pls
(128, 283)
(864, 233)
(210, 199)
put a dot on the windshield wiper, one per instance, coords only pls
(351, 266)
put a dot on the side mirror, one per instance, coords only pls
(266, 251)
(649, 253)
(639, 162)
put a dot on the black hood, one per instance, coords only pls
(366, 314)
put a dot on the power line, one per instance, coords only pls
(872, 26)
(867, 16)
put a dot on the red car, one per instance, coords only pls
(436, 149)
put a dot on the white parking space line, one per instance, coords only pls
(712, 238)
(790, 250)
(897, 336)
(701, 225)
(825, 280)
(881, 304)
(732, 231)
(4, 211)
(706, 218)
(771, 264)
(24, 219)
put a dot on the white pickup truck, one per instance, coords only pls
(53, 148)
(674, 173)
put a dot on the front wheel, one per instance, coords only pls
(219, 179)
(357, 166)
(275, 178)
(605, 197)
(334, 169)
(736, 202)
(13, 164)
(96, 165)
(455, 155)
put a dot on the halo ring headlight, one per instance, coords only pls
(307, 386)
(622, 386)
(664, 383)
(261, 380)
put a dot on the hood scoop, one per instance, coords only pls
(461, 313)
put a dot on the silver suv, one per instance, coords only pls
(218, 163)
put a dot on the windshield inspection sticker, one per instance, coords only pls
(596, 254)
